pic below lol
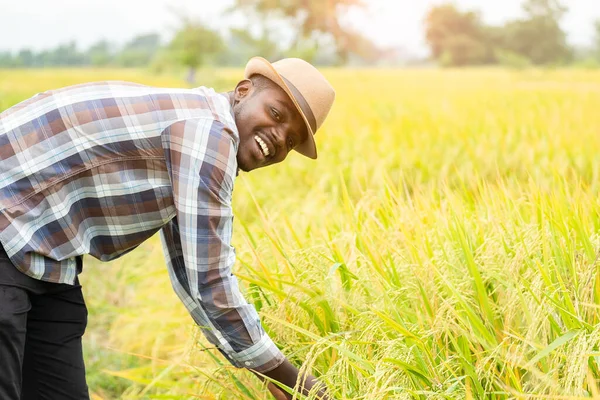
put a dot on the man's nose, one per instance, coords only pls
(279, 136)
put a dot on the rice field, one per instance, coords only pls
(445, 245)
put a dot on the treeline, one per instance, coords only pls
(455, 38)
(193, 45)
(458, 38)
(139, 51)
(314, 28)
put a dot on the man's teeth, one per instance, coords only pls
(263, 145)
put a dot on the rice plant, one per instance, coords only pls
(445, 245)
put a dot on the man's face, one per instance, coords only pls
(269, 125)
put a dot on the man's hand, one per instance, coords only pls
(277, 393)
(287, 374)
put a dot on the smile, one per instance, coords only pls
(263, 146)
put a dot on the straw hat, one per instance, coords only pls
(309, 90)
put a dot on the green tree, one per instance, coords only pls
(99, 54)
(312, 18)
(597, 39)
(456, 37)
(65, 54)
(538, 36)
(6, 59)
(26, 58)
(194, 44)
(140, 50)
(241, 45)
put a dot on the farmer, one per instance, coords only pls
(99, 168)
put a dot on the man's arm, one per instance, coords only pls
(287, 374)
(200, 156)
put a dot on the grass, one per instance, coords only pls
(444, 246)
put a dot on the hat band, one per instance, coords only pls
(303, 104)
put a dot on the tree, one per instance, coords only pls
(6, 59)
(241, 45)
(312, 18)
(361, 46)
(193, 44)
(140, 50)
(597, 39)
(65, 54)
(539, 36)
(455, 37)
(461, 50)
(552, 9)
(99, 54)
(26, 58)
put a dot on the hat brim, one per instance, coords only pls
(260, 66)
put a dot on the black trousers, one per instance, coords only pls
(41, 325)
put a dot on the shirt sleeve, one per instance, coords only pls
(201, 160)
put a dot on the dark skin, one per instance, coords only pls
(268, 112)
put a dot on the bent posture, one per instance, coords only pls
(99, 168)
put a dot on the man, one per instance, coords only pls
(99, 168)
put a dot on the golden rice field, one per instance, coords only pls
(445, 245)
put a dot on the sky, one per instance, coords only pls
(42, 24)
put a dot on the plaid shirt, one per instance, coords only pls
(99, 168)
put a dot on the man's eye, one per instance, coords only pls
(276, 115)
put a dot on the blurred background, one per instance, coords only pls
(162, 34)
(445, 244)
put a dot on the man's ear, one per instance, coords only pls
(243, 89)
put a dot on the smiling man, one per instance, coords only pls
(99, 168)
